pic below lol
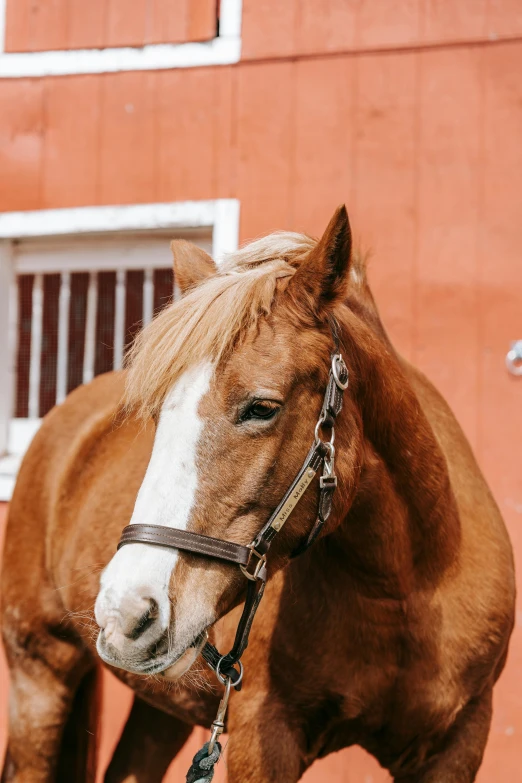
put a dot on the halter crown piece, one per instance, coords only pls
(252, 558)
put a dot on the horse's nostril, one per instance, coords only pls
(145, 621)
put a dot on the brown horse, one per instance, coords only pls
(388, 632)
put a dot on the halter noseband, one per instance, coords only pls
(252, 558)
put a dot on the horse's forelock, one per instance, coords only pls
(208, 321)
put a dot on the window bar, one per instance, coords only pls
(36, 347)
(12, 340)
(90, 328)
(64, 303)
(148, 296)
(119, 319)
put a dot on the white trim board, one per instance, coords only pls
(222, 50)
(21, 433)
(222, 215)
(99, 253)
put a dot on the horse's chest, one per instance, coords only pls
(397, 706)
(373, 689)
(384, 711)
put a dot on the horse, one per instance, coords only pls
(389, 631)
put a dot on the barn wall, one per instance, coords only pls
(408, 111)
(297, 27)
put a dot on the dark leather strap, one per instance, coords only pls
(212, 655)
(333, 402)
(187, 541)
(326, 494)
(254, 595)
(221, 550)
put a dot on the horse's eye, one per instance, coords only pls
(260, 409)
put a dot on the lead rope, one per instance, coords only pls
(203, 763)
(202, 767)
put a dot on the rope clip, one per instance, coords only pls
(218, 726)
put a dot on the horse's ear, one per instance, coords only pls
(192, 264)
(323, 274)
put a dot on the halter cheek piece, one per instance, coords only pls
(252, 558)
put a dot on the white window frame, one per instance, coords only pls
(222, 50)
(220, 216)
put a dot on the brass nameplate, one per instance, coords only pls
(293, 500)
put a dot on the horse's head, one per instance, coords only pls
(234, 375)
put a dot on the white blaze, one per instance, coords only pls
(168, 490)
(166, 497)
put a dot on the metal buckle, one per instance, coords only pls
(328, 482)
(254, 575)
(340, 370)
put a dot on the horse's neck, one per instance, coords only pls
(402, 530)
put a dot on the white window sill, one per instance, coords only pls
(223, 50)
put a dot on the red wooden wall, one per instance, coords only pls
(410, 111)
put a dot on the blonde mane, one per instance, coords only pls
(211, 318)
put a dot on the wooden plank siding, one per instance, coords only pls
(40, 25)
(410, 111)
(298, 27)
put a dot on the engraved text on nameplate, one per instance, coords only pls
(293, 500)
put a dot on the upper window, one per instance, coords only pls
(42, 25)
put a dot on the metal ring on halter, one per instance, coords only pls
(222, 679)
(318, 426)
(328, 443)
(336, 361)
(321, 423)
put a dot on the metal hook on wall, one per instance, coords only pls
(514, 358)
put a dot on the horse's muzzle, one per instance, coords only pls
(156, 659)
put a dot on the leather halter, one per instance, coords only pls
(252, 558)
